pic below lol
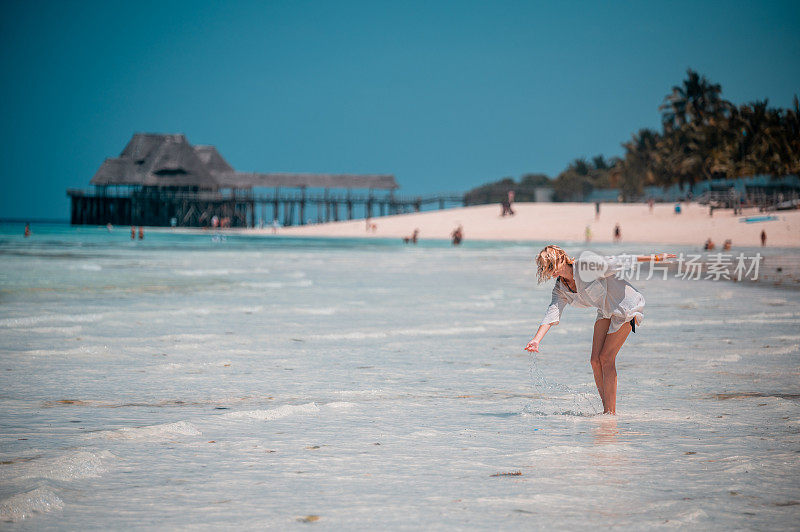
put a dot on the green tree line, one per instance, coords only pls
(702, 137)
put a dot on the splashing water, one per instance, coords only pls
(548, 389)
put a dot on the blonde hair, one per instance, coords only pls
(549, 260)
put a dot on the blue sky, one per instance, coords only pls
(444, 95)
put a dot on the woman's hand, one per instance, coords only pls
(533, 346)
(658, 257)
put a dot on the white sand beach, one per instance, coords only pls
(559, 222)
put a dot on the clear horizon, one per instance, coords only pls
(445, 96)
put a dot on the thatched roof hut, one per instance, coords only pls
(169, 161)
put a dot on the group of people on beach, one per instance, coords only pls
(726, 246)
(710, 245)
(455, 237)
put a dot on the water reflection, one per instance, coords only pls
(606, 431)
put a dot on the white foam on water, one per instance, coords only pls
(493, 295)
(684, 518)
(724, 358)
(212, 272)
(171, 366)
(15, 323)
(25, 505)
(69, 466)
(154, 432)
(364, 335)
(360, 393)
(187, 311)
(787, 350)
(273, 413)
(69, 330)
(250, 310)
(182, 337)
(340, 404)
(277, 284)
(80, 351)
(774, 301)
(501, 323)
(324, 311)
(262, 284)
(471, 304)
(558, 450)
(786, 318)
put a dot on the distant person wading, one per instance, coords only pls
(457, 235)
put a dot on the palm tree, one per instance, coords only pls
(697, 100)
(641, 165)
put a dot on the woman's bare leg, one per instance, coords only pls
(600, 333)
(608, 357)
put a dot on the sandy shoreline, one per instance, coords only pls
(567, 222)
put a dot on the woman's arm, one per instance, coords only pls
(533, 345)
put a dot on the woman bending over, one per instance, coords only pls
(593, 281)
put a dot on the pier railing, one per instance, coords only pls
(241, 208)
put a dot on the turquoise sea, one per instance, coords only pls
(213, 381)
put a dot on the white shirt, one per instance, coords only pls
(613, 297)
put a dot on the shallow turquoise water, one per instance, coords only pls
(195, 381)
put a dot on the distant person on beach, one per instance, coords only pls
(596, 210)
(588, 233)
(411, 239)
(763, 238)
(27, 230)
(617, 233)
(457, 235)
(591, 281)
(650, 204)
(275, 225)
(727, 245)
(678, 208)
(141, 233)
(109, 227)
(506, 204)
(215, 221)
(709, 245)
(133, 233)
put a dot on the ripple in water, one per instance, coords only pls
(554, 391)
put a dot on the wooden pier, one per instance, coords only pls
(162, 180)
(164, 207)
